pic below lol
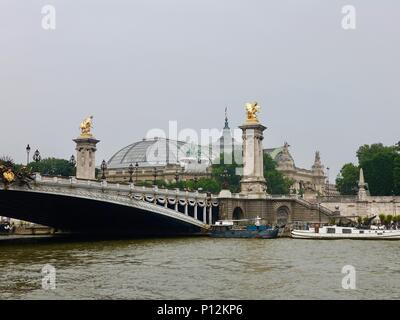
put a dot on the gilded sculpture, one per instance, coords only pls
(9, 176)
(252, 109)
(86, 127)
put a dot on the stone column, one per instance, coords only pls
(253, 181)
(85, 157)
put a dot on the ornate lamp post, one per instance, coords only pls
(36, 156)
(177, 176)
(28, 149)
(103, 168)
(72, 161)
(155, 176)
(130, 170)
(136, 171)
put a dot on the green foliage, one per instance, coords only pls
(389, 219)
(382, 218)
(366, 220)
(53, 166)
(220, 169)
(346, 183)
(9, 163)
(204, 184)
(276, 182)
(381, 166)
(378, 161)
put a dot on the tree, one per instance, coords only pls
(276, 182)
(347, 181)
(381, 166)
(382, 218)
(53, 166)
(396, 175)
(388, 220)
(378, 162)
(222, 172)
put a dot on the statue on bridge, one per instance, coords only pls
(86, 127)
(252, 109)
(22, 176)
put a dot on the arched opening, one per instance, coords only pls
(282, 216)
(237, 214)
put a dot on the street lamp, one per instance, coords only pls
(36, 156)
(177, 176)
(72, 161)
(28, 149)
(136, 171)
(155, 176)
(103, 168)
(130, 170)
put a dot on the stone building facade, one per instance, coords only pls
(310, 182)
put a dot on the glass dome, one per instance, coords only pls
(157, 152)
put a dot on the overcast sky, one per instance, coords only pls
(137, 64)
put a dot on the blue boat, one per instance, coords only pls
(227, 229)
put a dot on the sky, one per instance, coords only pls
(136, 65)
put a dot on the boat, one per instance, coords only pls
(5, 228)
(230, 229)
(338, 232)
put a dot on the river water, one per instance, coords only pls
(200, 268)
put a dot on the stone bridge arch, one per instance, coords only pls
(283, 214)
(237, 213)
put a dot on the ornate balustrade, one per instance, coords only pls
(121, 193)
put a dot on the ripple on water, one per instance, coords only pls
(201, 268)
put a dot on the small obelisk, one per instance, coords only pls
(253, 181)
(362, 193)
(85, 151)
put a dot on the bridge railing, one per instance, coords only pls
(202, 204)
(116, 187)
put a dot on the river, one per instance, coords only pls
(200, 268)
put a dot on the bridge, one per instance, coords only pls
(97, 207)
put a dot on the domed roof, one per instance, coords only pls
(153, 152)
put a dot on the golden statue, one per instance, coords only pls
(9, 176)
(252, 109)
(86, 127)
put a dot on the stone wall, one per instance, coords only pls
(273, 211)
(370, 206)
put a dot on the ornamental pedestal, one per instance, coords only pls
(253, 181)
(85, 157)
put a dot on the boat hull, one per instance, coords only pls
(300, 234)
(252, 234)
